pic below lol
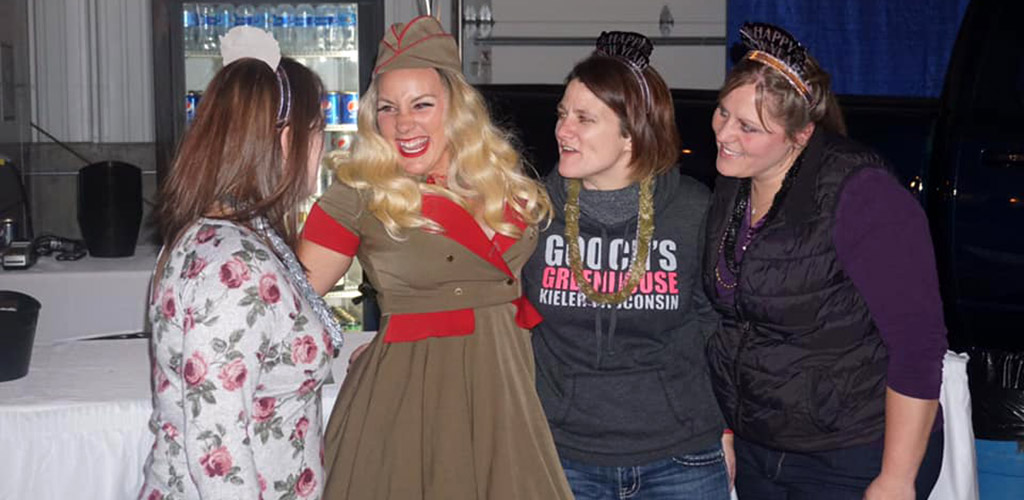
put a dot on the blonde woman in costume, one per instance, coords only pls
(434, 204)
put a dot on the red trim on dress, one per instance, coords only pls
(410, 327)
(462, 228)
(503, 242)
(323, 230)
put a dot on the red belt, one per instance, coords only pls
(410, 327)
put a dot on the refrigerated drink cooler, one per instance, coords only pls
(337, 40)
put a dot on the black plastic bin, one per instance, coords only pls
(110, 208)
(18, 316)
(996, 379)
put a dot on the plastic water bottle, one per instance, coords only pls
(283, 26)
(244, 15)
(349, 27)
(304, 26)
(326, 27)
(208, 30)
(349, 75)
(191, 26)
(226, 13)
(263, 18)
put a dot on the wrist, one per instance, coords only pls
(894, 477)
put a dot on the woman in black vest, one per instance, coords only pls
(828, 361)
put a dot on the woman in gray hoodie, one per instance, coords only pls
(620, 354)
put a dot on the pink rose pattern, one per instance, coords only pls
(217, 462)
(306, 483)
(234, 273)
(188, 322)
(195, 369)
(304, 350)
(300, 429)
(167, 308)
(195, 266)
(205, 233)
(263, 410)
(269, 292)
(215, 335)
(232, 375)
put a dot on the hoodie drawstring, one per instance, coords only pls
(608, 337)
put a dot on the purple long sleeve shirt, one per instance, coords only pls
(883, 244)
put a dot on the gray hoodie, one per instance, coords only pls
(628, 384)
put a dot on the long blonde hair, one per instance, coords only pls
(485, 173)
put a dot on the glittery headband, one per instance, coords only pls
(634, 51)
(776, 48)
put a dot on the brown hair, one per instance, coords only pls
(232, 156)
(784, 102)
(655, 137)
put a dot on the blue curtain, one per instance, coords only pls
(873, 47)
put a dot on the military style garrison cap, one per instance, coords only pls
(420, 43)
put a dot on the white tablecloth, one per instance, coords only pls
(88, 297)
(76, 425)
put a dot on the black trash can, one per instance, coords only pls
(110, 208)
(18, 316)
(996, 379)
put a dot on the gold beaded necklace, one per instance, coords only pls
(644, 233)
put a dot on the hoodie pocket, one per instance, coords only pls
(555, 391)
(628, 412)
(692, 399)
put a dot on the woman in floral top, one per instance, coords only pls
(240, 343)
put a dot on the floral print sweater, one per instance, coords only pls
(238, 358)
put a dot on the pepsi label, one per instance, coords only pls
(350, 107)
(332, 108)
(191, 105)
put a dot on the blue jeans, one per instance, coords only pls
(767, 474)
(698, 476)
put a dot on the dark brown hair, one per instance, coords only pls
(784, 103)
(231, 156)
(655, 137)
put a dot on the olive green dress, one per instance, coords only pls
(445, 417)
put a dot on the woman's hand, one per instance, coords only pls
(355, 355)
(730, 457)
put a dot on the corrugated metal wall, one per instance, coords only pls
(92, 71)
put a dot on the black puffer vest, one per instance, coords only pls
(798, 364)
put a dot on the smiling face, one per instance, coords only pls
(591, 145)
(748, 148)
(411, 109)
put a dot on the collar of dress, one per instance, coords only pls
(459, 226)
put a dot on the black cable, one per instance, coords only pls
(61, 144)
(64, 248)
